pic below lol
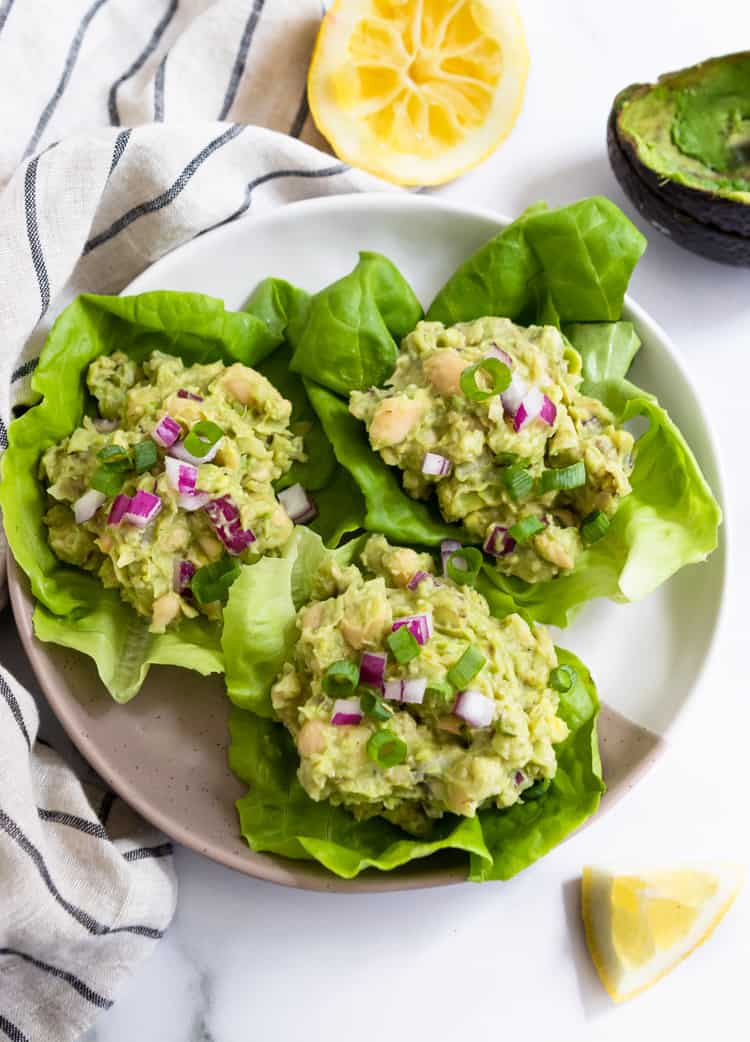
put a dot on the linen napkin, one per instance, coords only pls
(128, 128)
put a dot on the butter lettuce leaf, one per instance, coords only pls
(278, 816)
(74, 609)
(348, 339)
(572, 264)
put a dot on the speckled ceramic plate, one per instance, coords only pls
(165, 752)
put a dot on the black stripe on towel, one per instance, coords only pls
(70, 978)
(5, 690)
(148, 50)
(70, 62)
(32, 233)
(13, 1033)
(329, 171)
(88, 922)
(165, 198)
(61, 817)
(240, 61)
(121, 143)
(159, 91)
(4, 12)
(25, 369)
(162, 850)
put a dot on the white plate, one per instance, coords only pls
(646, 658)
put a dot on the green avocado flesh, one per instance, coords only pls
(693, 127)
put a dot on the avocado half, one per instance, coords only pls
(680, 149)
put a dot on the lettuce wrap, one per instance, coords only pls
(277, 815)
(568, 267)
(73, 608)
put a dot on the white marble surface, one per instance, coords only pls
(246, 960)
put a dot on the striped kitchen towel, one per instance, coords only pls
(128, 128)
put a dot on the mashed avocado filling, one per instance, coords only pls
(534, 492)
(255, 448)
(413, 762)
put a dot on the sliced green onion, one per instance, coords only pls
(386, 749)
(145, 455)
(211, 582)
(108, 479)
(496, 372)
(466, 668)
(525, 529)
(341, 678)
(518, 482)
(594, 527)
(403, 644)
(538, 789)
(562, 678)
(202, 437)
(114, 455)
(440, 692)
(506, 459)
(373, 705)
(463, 566)
(563, 478)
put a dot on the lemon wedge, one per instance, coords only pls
(418, 91)
(638, 927)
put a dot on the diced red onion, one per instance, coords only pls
(448, 547)
(420, 626)
(416, 579)
(346, 711)
(104, 426)
(498, 542)
(180, 452)
(182, 477)
(298, 504)
(182, 393)
(119, 508)
(166, 432)
(225, 519)
(413, 690)
(191, 501)
(87, 505)
(144, 506)
(475, 708)
(183, 573)
(548, 412)
(372, 668)
(436, 466)
(535, 406)
(497, 352)
(519, 777)
(513, 395)
(393, 690)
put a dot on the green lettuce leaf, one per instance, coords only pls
(74, 609)
(572, 264)
(669, 520)
(277, 815)
(348, 338)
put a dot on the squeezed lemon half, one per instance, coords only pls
(638, 927)
(418, 91)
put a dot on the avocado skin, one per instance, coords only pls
(707, 207)
(682, 227)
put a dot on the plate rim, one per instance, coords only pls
(310, 875)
